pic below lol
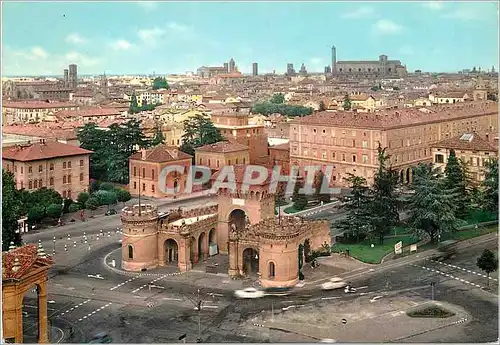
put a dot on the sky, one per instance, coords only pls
(43, 38)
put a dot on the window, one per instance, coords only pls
(353, 143)
(153, 174)
(364, 159)
(217, 163)
(135, 171)
(143, 187)
(135, 185)
(64, 165)
(153, 188)
(22, 185)
(272, 272)
(209, 162)
(364, 144)
(64, 194)
(30, 185)
(130, 251)
(40, 168)
(51, 181)
(81, 162)
(244, 160)
(40, 183)
(143, 172)
(69, 165)
(69, 194)
(51, 167)
(30, 169)
(439, 159)
(323, 155)
(69, 178)
(64, 179)
(35, 184)
(333, 155)
(229, 162)
(81, 177)
(343, 157)
(354, 158)
(21, 169)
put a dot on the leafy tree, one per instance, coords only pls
(66, 204)
(11, 210)
(94, 139)
(36, 213)
(158, 138)
(319, 180)
(268, 108)
(487, 262)
(74, 207)
(489, 187)
(347, 103)
(456, 183)
(160, 83)
(122, 195)
(384, 200)
(357, 218)
(92, 203)
(106, 197)
(431, 207)
(199, 131)
(107, 186)
(94, 186)
(82, 199)
(54, 211)
(134, 106)
(277, 98)
(46, 196)
(321, 106)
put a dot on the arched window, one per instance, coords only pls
(271, 270)
(51, 181)
(35, 183)
(130, 251)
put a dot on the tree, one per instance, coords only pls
(268, 108)
(82, 198)
(36, 214)
(66, 204)
(74, 207)
(487, 262)
(489, 187)
(107, 186)
(347, 103)
(11, 210)
(46, 196)
(105, 197)
(158, 138)
(134, 106)
(199, 131)
(456, 183)
(319, 180)
(92, 203)
(321, 106)
(160, 83)
(277, 98)
(356, 221)
(54, 211)
(122, 195)
(431, 207)
(383, 198)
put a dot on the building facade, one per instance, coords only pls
(32, 111)
(382, 67)
(215, 156)
(349, 140)
(50, 164)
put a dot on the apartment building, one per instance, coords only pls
(349, 140)
(220, 154)
(23, 112)
(51, 164)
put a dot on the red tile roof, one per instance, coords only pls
(161, 154)
(94, 111)
(38, 105)
(400, 118)
(222, 147)
(49, 132)
(28, 258)
(476, 143)
(39, 151)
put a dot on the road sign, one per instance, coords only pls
(413, 248)
(398, 247)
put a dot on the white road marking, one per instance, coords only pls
(171, 299)
(327, 298)
(375, 298)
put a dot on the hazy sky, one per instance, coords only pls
(174, 37)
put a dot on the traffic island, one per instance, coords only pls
(429, 311)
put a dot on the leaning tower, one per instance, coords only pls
(140, 240)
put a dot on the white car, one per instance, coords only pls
(334, 283)
(249, 293)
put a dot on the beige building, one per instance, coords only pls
(51, 164)
(470, 148)
(217, 155)
(349, 140)
(32, 111)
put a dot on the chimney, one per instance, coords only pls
(143, 154)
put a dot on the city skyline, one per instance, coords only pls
(147, 37)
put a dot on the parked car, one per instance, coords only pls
(110, 212)
(249, 293)
(101, 338)
(334, 283)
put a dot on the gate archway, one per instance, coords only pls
(237, 220)
(250, 261)
(201, 241)
(171, 251)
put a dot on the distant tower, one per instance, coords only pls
(66, 77)
(334, 60)
(255, 69)
(303, 70)
(232, 65)
(289, 69)
(328, 70)
(104, 84)
(73, 76)
(492, 69)
(226, 67)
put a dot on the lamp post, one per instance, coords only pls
(54, 241)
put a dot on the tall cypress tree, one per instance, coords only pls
(11, 210)
(456, 183)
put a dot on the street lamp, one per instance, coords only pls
(54, 241)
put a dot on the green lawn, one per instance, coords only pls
(466, 234)
(364, 252)
(291, 209)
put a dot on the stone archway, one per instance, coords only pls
(171, 251)
(408, 175)
(201, 241)
(401, 176)
(250, 261)
(193, 254)
(211, 237)
(237, 220)
(30, 315)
